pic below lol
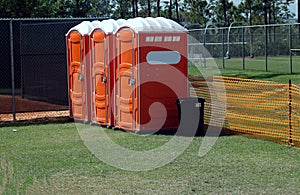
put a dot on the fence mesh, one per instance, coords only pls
(274, 48)
(5, 79)
(39, 66)
(261, 108)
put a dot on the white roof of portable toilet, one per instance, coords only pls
(152, 25)
(138, 24)
(84, 28)
(170, 24)
(153, 22)
(108, 26)
(96, 23)
(121, 21)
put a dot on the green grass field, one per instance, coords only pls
(279, 64)
(52, 159)
(254, 68)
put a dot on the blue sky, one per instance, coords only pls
(293, 7)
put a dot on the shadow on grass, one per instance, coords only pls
(37, 121)
(256, 76)
(213, 132)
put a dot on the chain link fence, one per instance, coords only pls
(33, 82)
(260, 108)
(274, 48)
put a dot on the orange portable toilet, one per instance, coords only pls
(102, 70)
(78, 71)
(150, 75)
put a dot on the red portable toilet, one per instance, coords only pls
(151, 74)
(79, 71)
(102, 70)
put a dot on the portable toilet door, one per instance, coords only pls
(163, 78)
(151, 74)
(99, 76)
(102, 71)
(125, 111)
(78, 71)
(163, 73)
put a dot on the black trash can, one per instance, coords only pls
(191, 115)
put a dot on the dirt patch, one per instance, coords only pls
(35, 117)
(25, 105)
(29, 110)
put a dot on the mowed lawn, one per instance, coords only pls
(52, 159)
(274, 63)
(233, 71)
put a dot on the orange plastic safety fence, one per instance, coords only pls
(262, 108)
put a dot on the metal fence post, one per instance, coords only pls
(243, 46)
(291, 47)
(266, 46)
(12, 70)
(290, 115)
(223, 60)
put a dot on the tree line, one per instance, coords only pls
(223, 12)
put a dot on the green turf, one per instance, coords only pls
(260, 75)
(52, 159)
(234, 71)
(280, 64)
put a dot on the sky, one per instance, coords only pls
(293, 7)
